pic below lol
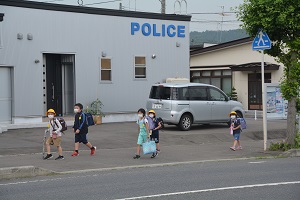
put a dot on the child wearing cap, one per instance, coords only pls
(154, 126)
(235, 125)
(55, 135)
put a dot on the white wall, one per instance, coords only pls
(86, 36)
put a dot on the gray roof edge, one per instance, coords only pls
(91, 10)
(222, 46)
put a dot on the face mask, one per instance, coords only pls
(76, 110)
(232, 116)
(50, 116)
(140, 115)
(151, 115)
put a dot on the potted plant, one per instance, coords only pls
(96, 110)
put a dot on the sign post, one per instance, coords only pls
(262, 42)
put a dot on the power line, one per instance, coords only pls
(211, 13)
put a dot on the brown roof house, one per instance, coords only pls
(235, 64)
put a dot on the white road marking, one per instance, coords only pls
(45, 180)
(213, 189)
(258, 162)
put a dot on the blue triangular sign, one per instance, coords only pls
(261, 41)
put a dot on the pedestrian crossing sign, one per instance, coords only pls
(261, 41)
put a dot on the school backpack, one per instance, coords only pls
(62, 122)
(161, 121)
(243, 123)
(89, 119)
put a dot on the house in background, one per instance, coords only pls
(234, 64)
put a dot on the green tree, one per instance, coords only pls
(281, 20)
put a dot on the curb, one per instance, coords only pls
(32, 171)
(23, 172)
(292, 153)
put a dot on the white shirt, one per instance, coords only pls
(55, 126)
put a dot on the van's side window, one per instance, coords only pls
(198, 93)
(180, 93)
(158, 92)
(216, 95)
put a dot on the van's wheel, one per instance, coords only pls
(185, 122)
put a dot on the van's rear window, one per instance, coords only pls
(160, 92)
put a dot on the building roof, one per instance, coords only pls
(91, 10)
(255, 66)
(225, 45)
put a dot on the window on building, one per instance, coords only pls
(105, 69)
(140, 67)
(219, 78)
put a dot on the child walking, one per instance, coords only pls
(55, 135)
(235, 125)
(80, 129)
(143, 129)
(154, 126)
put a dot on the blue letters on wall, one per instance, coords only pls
(157, 30)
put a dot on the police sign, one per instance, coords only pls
(158, 30)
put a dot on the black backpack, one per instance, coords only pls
(62, 122)
(161, 121)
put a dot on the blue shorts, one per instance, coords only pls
(155, 136)
(236, 136)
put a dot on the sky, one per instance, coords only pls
(210, 17)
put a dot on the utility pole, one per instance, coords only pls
(222, 24)
(163, 6)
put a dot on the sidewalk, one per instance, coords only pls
(116, 145)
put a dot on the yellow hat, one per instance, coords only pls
(232, 113)
(151, 111)
(50, 111)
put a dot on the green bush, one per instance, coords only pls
(297, 141)
(280, 146)
(283, 146)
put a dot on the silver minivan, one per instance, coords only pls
(184, 104)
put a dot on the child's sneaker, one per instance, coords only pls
(93, 150)
(157, 151)
(48, 156)
(136, 157)
(59, 158)
(75, 153)
(232, 148)
(154, 155)
(240, 148)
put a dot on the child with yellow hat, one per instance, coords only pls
(235, 126)
(55, 128)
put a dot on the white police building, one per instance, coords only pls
(52, 56)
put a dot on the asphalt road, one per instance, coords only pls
(243, 179)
